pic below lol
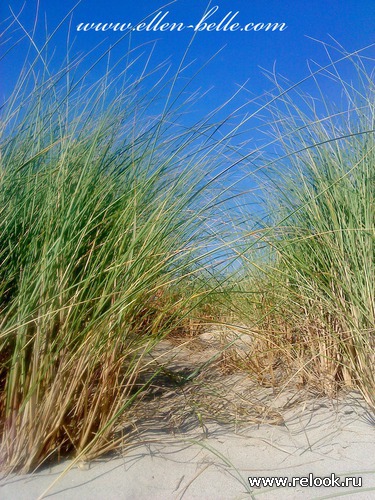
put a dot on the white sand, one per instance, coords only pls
(320, 438)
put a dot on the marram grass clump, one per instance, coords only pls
(103, 210)
(317, 279)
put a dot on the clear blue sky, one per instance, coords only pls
(244, 53)
(350, 22)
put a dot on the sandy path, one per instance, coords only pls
(180, 452)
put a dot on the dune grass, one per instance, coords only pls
(115, 230)
(103, 229)
(314, 312)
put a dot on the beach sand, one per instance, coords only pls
(185, 450)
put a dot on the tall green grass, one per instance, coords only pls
(317, 314)
(104, 205)
(114, 227)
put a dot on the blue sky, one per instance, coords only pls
(243, 57)
(351, 23)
